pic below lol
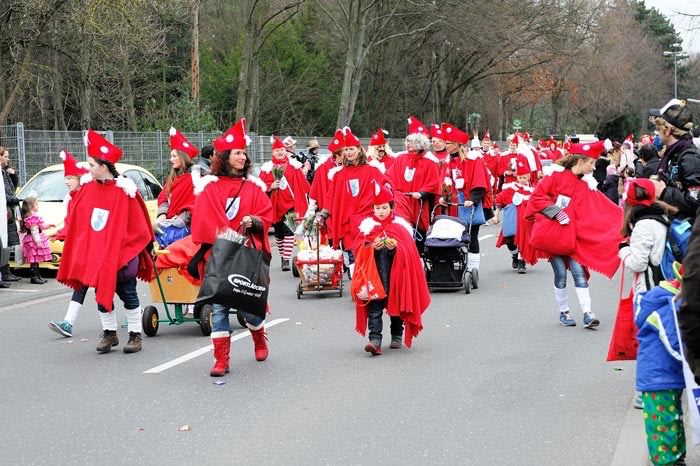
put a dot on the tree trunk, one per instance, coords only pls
(59, 121)
(246, 60)
(128, 96)
(195, 53)
(555, 113)
(85, 88)
(354, 45)
(43, 92)
(21, 81)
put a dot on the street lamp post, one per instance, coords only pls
(675, 54)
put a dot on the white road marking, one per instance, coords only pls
(21, 290)
(174, 362)
(24, 304)
(481, 238)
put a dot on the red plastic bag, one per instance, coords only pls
(553, 238)
(623, 341)
(366, 282)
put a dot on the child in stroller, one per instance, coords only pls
(445, 255)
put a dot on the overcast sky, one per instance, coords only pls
(683, 25)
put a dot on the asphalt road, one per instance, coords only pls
(493, 379)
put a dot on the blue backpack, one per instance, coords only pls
(677, 240)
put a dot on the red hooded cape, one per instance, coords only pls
(179, 193)
(105, 229)
(408, 295)
(350, 198)
(597, 220)
(413, 173)
(292, 193)
(524, 228)
(209, 216)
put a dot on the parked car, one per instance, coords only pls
(50, 190)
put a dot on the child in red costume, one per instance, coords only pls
(108, 233)
(511, 203)
(288, 189)
(231, 198)
(401, 273)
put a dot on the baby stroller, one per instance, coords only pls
(445, 254)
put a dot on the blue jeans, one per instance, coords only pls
(559, 267)
(126, 290)
(220, 322)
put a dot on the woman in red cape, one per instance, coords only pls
(400, 271)
(569, 196)
(288, 191)
(231, 198)
(176, 200)
(321, 182)
(108, 233)
(350, 195)
(516, 196)
(415, 177)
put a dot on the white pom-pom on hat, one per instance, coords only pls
(62, 155)
(172, 131)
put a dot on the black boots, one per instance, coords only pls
(36, 276)
(515, 263)
(8, 276)
(521, 267)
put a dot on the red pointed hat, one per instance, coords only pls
(234, 138)
(382, 195)
(70, 165)
(100, 148)
(453, 134)
(522, 166)
(630, 137)
(416, 126)
(487, 136)
(648, 186)
(589, 149)
(349, 139)
(515, 140)
(178, 141)
(276, 142)
(379, 137)
(436, 131)
(336, 143)
(526, 137)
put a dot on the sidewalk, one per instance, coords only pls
(23, 291)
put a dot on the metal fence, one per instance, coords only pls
(32, 150)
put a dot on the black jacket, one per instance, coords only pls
(12, 203)
(680, 170)
(650, 168)
(689, 313)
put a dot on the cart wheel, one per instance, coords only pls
(149, 321)
(340, 290)
(205, 320)
(295, 271)
(240, 319)
(467, 282)
(299, 291)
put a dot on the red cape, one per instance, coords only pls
(179, 194)
(596, 219)
(105, 230)
(408, 294)
(414, 173)
(350, 199)
(320, 184)
(524, 227)
(285, 198)
(209, 215)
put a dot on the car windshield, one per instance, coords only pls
(47, 186)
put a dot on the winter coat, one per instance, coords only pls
(12, 203)
(600, 172)
(610, 188)
(649, 169)
(681, 173)
(205, 165)
(659, 363)
(646, 244)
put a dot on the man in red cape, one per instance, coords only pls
(389, 239)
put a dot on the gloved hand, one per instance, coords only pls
(193, 266)
(562, 218)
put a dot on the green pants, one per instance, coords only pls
(663, 421)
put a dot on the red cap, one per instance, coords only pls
(436, 131)
(276, 142)
(589, 149)
(416, 126)
(70, 165)
(381, 194)
(234, 138)
(515, 140)
(379, 137)
(526, 137)
(487, 136)
(178, 141)
(349, 139)
(453, 134)
(648, 186)
(522, 166)
(100, 148)
(336, 143)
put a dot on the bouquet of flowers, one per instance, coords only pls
(277, 172)
(447, 193)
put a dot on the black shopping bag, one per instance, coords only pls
(236, 276)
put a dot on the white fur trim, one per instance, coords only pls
(86, 178)
(367, 225)
(202, 183)
(295, 163)
(473, 155)
(321, 161)
(591, 182)
(555, 167)
(261, 184)
(447, 181)
(333, 171)
(220, 335)
(172, 131)
(510, 185)
(401, 221)
(378, 165)
(128, 185)
(266, 167)
(62, 155)
(430, 156)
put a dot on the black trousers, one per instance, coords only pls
(474, 239)
(375, 323)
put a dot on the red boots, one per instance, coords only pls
(222, 347)
(260, 342)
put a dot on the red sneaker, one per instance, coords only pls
(374, 348)
(260, 342)
(222, 347)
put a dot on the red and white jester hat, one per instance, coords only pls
(234, 138)
(178, 141)
(100, 148)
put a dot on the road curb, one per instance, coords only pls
(631, 447)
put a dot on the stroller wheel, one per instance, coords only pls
(475, 278)
(467, 282)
